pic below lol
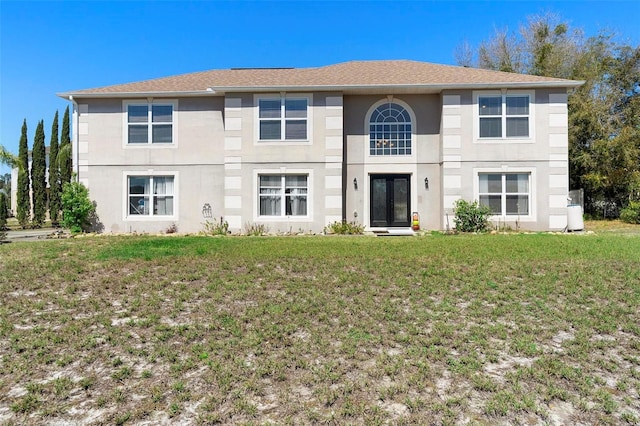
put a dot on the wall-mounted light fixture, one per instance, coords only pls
(426, 183)
(355, 183)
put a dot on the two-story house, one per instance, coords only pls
(296, 149)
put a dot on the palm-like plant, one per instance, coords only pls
(7, 158)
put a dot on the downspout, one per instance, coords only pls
(75, 144)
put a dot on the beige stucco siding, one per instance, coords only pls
(423, 163)
(195, 186)
(199, 131)
(195, 159)
(319, 157)
(216, 159)
(544, 155)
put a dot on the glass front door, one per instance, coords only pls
(390, 200)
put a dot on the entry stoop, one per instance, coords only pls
(395, 232)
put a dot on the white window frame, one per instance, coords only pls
(390, 159)
(282, 97)
(505, 170)
(283, 171)
(149, 103)
(390, 142)
(150, 174)
(503, 116)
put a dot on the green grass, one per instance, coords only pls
(435, 329)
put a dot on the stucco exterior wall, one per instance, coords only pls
(319, 157)
(217, 158)
(544, 154)
(423, 163)
(195, 159)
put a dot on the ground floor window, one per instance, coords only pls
(283, 195)
(150, 195)
(507, 194)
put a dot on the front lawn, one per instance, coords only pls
(479, 329)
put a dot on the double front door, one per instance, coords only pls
(390, 200)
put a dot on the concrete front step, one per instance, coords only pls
(396, 232)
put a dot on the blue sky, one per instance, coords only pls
(55, 46)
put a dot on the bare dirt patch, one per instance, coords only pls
(526, 329)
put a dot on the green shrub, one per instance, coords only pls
(344, 228)
(216, 228)
(471, 217)
(631, 213)
(77, 208)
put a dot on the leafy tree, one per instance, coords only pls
(77, 208)
(55, 187)
(604, 113)
(64, 153)
(23, 207)
(501, 53)
(38, 177)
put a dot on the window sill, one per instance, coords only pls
(147, 218)
(283, 142)
(504, 140)
(149, 145)
(284, 218)
(512, 218)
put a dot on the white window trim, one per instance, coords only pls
(149, 102)
(149, 218)
(395, 159)
(504, 139)
(282, 97)
(531, 217)
(282, 171)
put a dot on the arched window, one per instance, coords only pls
(390, 130)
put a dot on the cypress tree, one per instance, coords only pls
(55, 188)
(23, 208)
(64, 152)
(38, 176)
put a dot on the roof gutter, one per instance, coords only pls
(391, 87)
(221, 90)
(83, 95)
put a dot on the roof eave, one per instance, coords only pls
(165, 94)
(221, 90)
(403, 87)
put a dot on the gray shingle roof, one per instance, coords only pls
(348, 75)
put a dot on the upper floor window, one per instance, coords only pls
(390, 130)
(503, 116)
(150, 123)
(283, 119)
